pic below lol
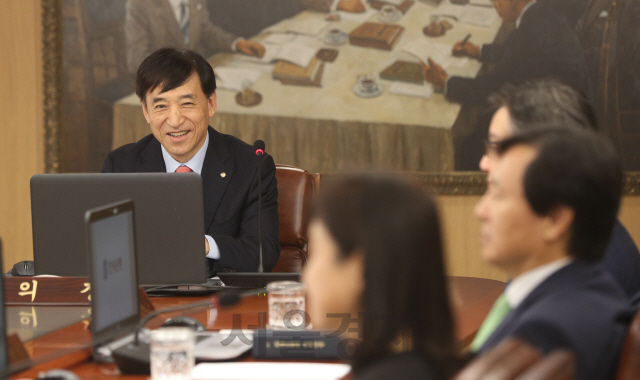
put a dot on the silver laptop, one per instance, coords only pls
(169, 223)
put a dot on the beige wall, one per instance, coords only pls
(462, 231)
(21, 141)
(21, 151)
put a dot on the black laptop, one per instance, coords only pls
(169, 223)
(110, 235)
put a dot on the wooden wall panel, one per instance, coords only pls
(462, 236)
(21, 144)
(462, 231)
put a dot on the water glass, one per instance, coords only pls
(172, 355)
(287, 305)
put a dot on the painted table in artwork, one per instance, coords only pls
(331, 128)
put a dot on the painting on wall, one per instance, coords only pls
(334, 85)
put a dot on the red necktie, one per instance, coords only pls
(183, 169)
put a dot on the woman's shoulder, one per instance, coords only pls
(406, 366)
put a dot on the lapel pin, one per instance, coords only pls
(223, 174)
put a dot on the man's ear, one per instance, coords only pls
(145, 111)
(213, 104)
(558, 223)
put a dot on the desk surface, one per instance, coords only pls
(69, 347)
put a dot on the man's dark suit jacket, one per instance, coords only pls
(405, 365)
(622, 260)
(577, 308)
(230, 202)
(543, 46)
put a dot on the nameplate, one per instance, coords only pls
(63, 291)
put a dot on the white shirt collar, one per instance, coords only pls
(520, 287)
(195, 163)
(522, 12)
(175, 7)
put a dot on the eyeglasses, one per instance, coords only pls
(490, 147)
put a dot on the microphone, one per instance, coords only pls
(233, 297)
(259, 146)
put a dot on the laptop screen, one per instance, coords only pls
(169, 222)
(112, 262)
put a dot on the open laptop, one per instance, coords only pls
(169, 223)
(110, 234)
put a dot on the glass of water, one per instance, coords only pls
(172, 355)
(287, 305)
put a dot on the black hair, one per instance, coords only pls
(574, 168)
(169, 68)
(543, 102)
(396, 226)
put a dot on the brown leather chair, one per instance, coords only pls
(515, 359)
(296, 188)
(557, 365)
(629, 364)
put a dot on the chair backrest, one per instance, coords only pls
(629, 364)
(515, 359)
(296, 188)
(559, 364)
(503, 362)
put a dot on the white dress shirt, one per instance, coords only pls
(195, 164)
(520, 287)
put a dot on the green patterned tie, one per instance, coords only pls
(499, 310)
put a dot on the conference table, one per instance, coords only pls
(69, 346)
(329, 128)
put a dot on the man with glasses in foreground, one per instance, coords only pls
(551, 203)
(546, 102)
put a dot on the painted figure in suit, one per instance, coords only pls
(183, 24)
(547, 102)
(177, 92)
(249, 17)
(543, 45)
(546, 218)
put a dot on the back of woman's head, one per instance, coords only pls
(395, 225)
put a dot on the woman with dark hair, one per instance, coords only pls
(376, 275)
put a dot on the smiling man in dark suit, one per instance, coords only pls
(546, 218)
(177, 92)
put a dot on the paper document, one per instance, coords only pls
(480, 16)
(310, 26)
(279, 38)
(467, 14)
(358, 17)
(482, 3)
(269, 371)
(270, 52)
(295, 53)
(298, 54)
(231, 78)
(440, 53)
(408, 89)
